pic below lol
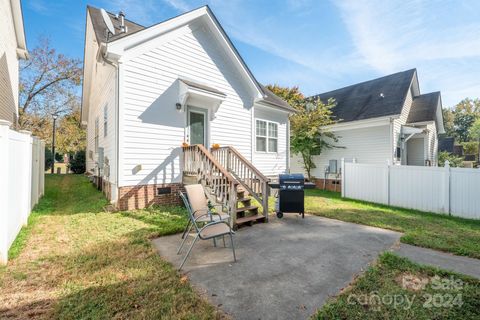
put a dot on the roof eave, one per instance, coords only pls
(275, 106)
(17, 14)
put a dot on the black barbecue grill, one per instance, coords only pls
(291, 195)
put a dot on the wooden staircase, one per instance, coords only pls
(230, 180)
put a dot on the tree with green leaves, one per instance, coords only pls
(49, 81)
(475, 134)
(308, 126)
(460, 118)
(453, 160)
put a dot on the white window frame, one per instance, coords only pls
(267, 136)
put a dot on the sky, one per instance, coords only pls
(318, 45)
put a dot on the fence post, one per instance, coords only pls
(4, 189)
(342, 166)
(447, 188)
(388, 181)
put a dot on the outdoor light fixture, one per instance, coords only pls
(178, 105)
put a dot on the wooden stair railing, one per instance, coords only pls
(246, 174)
(199, 162)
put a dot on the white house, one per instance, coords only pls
(12, 48)
(148, 90)
(383, 120)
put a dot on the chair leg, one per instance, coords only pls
(214, 242)
(188, 253)
(184, 239)
(186, 228)
(224, 245)
(233, 248)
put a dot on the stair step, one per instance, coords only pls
(244, 199)
(247, 208)
(249, 218)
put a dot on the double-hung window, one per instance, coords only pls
(266, 136)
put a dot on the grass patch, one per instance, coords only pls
(440, 232)
(76, 261)
(396, 288)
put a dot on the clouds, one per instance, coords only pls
(337, 43)
(441, 39)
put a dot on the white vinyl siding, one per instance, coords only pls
(153, 130)
(366, 145)
(8, 64)
(102, 102)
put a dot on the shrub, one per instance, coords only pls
(48, 159)
(454, 160)
(77, 163)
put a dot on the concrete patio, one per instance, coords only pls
(286, 269)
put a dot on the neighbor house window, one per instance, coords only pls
(266, 134)
(96, 135)
(105, 120)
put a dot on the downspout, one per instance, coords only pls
(117, 123)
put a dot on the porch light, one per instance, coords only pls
(178, 105)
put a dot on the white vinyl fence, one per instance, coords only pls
(454, 191)
(22, 163)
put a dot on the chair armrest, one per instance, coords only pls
(202, 215)
(214, 223)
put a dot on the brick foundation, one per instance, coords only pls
(331, 185)
(139, 197)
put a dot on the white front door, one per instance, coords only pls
(197, 131)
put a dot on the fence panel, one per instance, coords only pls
(446, 190)
(21, 182)
(420, 188)
(465, 192)
(366, 182)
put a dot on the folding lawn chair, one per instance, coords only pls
(211, 230)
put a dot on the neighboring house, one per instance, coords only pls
(383, 120)
(148, 90)
(12, 48)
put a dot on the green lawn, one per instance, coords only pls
(441, 232)
(395, 288)
(75, 261)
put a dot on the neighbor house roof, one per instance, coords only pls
(424, 108)
(446, 144)
(99, 26)
(380, 97)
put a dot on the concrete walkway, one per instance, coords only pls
(286, 269)
(442, 260)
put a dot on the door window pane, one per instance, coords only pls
(197, 128)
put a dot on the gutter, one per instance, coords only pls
(117, 119)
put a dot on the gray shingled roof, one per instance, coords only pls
(99, 25)
(380, 97)
(424, 108)
(446, 144)
(272, 98)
